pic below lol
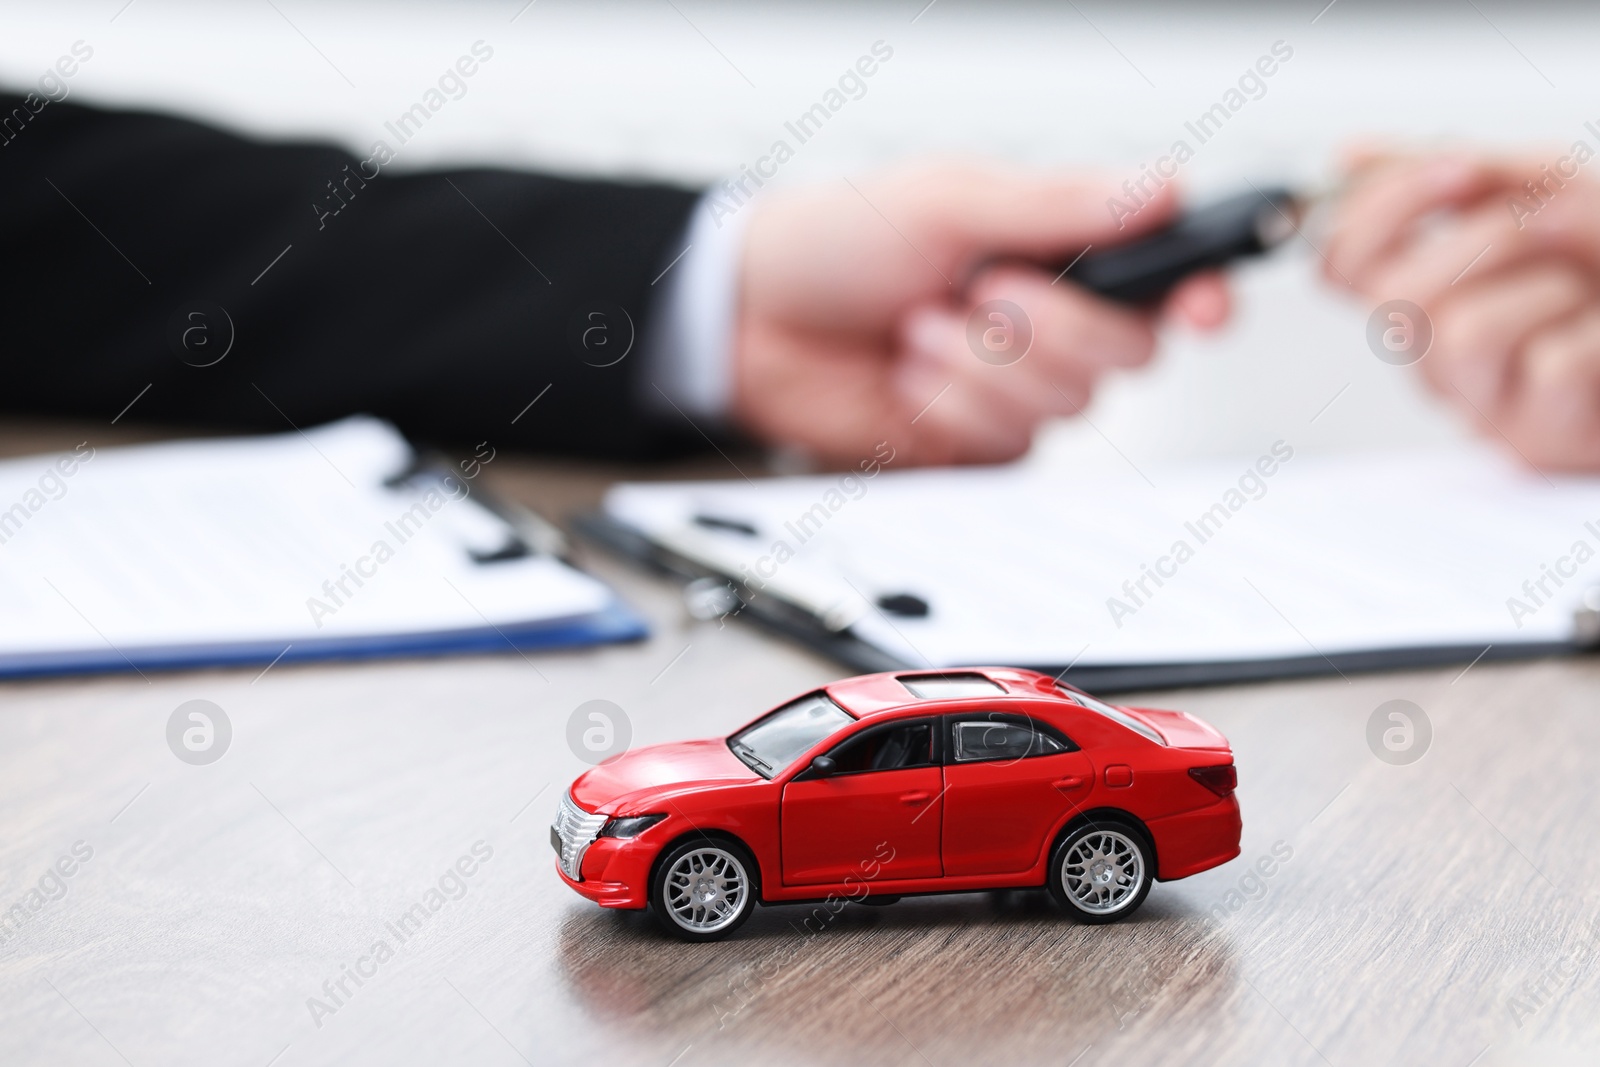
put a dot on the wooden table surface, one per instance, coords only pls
(1438, 912)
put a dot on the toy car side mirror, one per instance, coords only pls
(823, 766)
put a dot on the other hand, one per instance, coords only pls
(1509, 279)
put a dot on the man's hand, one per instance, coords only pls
(855, 299)
(1510, 281)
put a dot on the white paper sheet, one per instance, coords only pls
(1028, 564)
(255, 539)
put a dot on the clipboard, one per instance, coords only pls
(339, 543)
(805, 628)
(639, 524)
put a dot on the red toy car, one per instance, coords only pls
(912, 782)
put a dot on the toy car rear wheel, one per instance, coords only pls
(704, 889)
(1101, 872)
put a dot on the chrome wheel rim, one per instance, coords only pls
(706, 890)
(1102, 872)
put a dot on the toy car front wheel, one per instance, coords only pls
(1101, 872)
(704, 889)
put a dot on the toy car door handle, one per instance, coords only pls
(919, 797)
(1071, 781)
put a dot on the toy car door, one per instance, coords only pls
(1009, 779)
(875, 818)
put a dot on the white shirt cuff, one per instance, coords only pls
(688, 343)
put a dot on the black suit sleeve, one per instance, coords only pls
(443, 301)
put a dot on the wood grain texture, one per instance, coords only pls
(1429, 913)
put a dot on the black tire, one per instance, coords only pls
(704, 888)
(878, 902)
(1100, 872)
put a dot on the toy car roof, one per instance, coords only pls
(875, 694)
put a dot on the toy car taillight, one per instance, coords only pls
(1221, 780)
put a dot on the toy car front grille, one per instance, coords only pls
(573, 831)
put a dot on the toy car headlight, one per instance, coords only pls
(632, 826)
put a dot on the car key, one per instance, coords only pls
(1146, 269)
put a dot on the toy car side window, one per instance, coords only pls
(975, 740)
(886, 748)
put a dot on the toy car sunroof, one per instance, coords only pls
(950, 686)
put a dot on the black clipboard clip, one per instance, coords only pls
(526, 534)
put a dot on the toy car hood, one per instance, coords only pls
(628, 784)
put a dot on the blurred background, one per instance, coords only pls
(689, 90)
